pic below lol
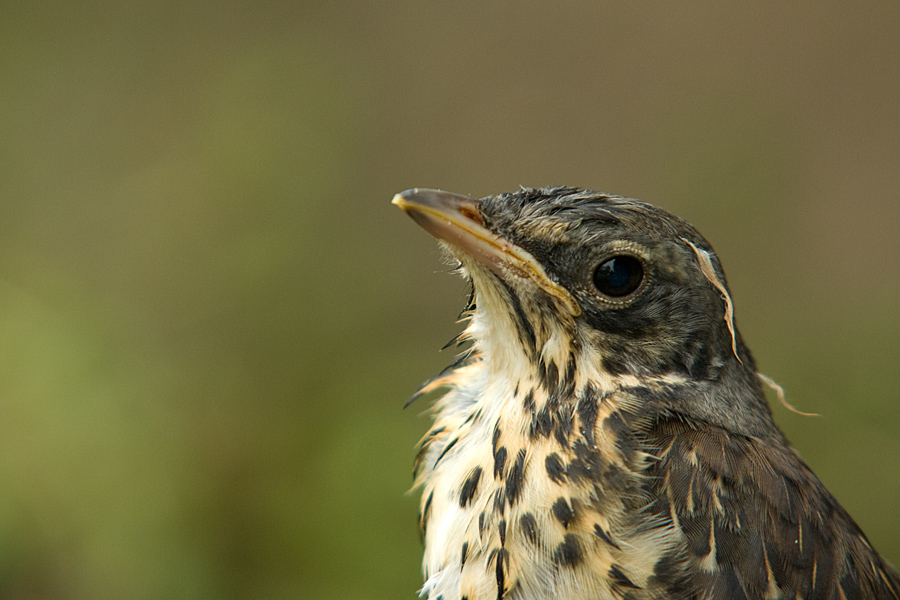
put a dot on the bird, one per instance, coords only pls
(606, 435)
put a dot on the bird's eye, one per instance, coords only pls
(619, 276)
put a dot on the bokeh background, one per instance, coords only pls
(211, 315)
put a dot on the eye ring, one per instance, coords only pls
(619, 276)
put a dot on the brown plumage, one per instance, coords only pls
(606, 436)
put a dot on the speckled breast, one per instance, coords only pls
(533, 494)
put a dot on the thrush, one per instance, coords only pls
(607, 436)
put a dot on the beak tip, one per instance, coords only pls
(428, 198)
(404, 200)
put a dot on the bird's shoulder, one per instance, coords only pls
(756, 522)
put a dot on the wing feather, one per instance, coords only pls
(757, 523)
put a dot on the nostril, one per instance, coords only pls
(472, 213)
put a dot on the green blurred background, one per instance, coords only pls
(211, 315)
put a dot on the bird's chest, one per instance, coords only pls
(526, 496)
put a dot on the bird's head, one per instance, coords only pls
(573, 288)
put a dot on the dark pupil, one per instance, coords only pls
(619, 276)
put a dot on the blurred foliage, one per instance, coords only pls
(210, 314)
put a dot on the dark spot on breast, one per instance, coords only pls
(499, 462)
(499, 502)
(587, 464)
(529, 527)
(469, 487)
(563, 427)
(464, 554)
(563, 512)
(502, 557)
(541, 423)
(426, 512)
(555, 468)
(516, 478)
(616, 574)
(587, 409)
(446, 450)
(481, 524)
(568, 552)
(604, 536)
(567, 384)
(548, 373)
(501, 529)
(528, 402)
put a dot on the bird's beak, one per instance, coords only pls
(456, 220)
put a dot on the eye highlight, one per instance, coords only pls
(619, 276)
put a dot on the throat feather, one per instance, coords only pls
(521, 474)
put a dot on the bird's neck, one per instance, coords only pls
(532, 483)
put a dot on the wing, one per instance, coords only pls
(757, 523)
